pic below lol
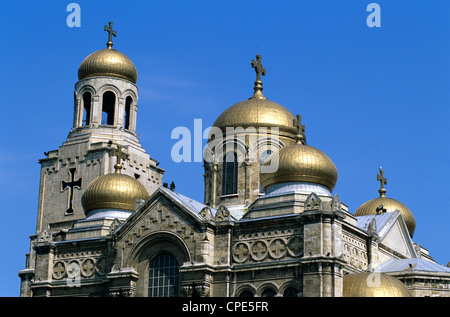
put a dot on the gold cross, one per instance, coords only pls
(259, 69)
(300, 128)
(383, 181)
(110, 31)
(120, 156)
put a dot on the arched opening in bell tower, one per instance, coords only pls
(128, 103)
(108, 108)
(87, 97)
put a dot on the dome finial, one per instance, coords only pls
(260, 70)
(383, 181)
(120, 156)
(110, 31)
(300, 137)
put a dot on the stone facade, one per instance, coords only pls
(297, 240)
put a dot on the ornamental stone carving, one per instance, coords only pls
(267, 249)
(336, 203)
(206, 213)
(313, 202)
(259, 250)
(240, 252)
(277, 248)
(223, 214)
(295, 246)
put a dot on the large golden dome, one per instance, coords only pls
(373, 284)
(388, 205)
(257, 112)
(113, 191)
(108, 62)
(300, 163)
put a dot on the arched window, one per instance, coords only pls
(246, 293)
(268, 292)
(229, 173)
(290, 292)
(128, 102)
(108, 107)
(163, 276)
(87, 97)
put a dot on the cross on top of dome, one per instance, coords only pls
(110, 31)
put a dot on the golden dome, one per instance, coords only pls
(373, 284)
(301, 163)
(389, 205)
(257, 112)
(108, 62)
(113, 191)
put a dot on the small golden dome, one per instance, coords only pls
(257, 112)
(113, 191)
(389, 204)
(108, 62)
(373, 284)
(300, 163)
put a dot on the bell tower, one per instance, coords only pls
(104, 120)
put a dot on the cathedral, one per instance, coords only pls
(269, 226)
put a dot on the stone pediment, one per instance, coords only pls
(164, 210)
(391, 231)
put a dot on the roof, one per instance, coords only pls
(187, 202)
(413, 264)
(381, 220)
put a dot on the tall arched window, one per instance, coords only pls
(87, 108)
(128, 102)
(108, 107)
(163, 276)
(229, 173)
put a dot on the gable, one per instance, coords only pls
(395, 235)
(161, 212)
(396, 240)
(391, 230)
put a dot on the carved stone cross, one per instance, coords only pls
(58, 270)
(259, 249)
(278, 248)
(241, 251)
(70, 185)
(259, 69)
(110, 31)
(88, 267)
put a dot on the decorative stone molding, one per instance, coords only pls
(223, 214)
(202, 290)
(336, 203)
(186, 291)
(45, 236)
(275, 248)
(206, 213)
(313, 202)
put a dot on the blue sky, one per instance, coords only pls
(368, 96)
